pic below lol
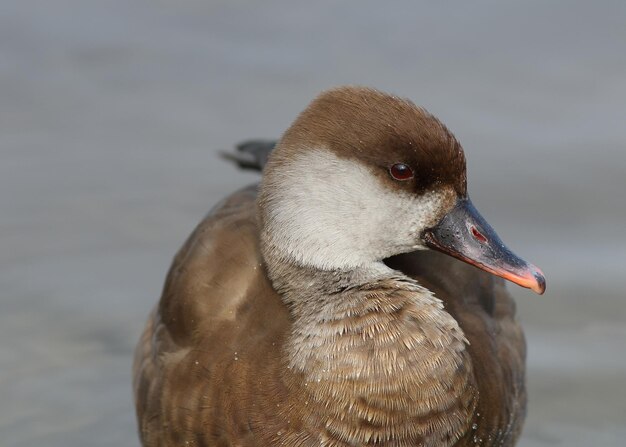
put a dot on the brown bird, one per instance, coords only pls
(310, 312)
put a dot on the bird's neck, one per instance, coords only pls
(379, 350)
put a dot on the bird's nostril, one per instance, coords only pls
(478, 235)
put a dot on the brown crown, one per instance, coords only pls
(380, 130)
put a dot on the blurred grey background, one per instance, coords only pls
(112, 113)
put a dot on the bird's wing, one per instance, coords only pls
(218, 325)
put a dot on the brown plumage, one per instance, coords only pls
(250, 346)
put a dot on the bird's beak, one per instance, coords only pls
(466, 235)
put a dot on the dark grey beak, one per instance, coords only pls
(466, 235)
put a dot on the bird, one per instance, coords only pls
(354, 297)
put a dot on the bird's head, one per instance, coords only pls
(362, 175)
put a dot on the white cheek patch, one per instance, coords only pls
(332, 213)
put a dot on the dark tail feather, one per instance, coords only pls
(251, 154)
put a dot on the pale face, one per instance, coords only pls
(330, 212)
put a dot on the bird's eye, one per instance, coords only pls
(400, 171)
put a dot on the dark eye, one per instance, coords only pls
(400, 171)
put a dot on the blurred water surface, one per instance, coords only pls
(112, 113)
